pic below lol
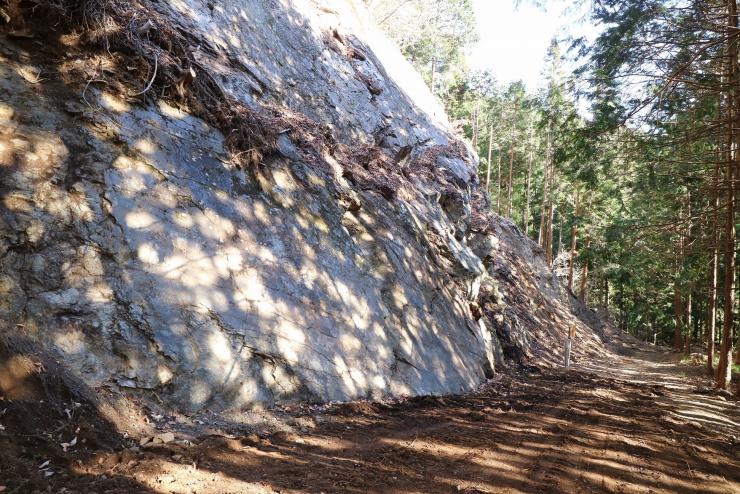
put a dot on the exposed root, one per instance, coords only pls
(138, 36)
(154, 76)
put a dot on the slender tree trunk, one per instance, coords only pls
(584, 277)
(712, 295)
(678, 305)
(434, 73)
(476, 115)
(737, 331)
(689, 323)
(498, 180)
(724, 371)
(545, 194)
(551, 209)
(678, 309)
(548, 236)
(560, 231)
(573, 239)
(548, 208)
(584, 274)
(679, 302)
(488, 168)
(622, 312)
(698, 320)
(510, 184)
(527, 211)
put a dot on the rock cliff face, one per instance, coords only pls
(346, 257)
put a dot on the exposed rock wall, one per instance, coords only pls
(136, 248)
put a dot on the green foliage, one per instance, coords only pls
(432, 34)
(641, 164)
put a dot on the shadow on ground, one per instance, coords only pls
(560, 432)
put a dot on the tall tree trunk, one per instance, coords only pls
(498, 180)
(724, 372)
(433, 78)
(678, 310)
(689, 323)
(583, 294)
(544, 212)
(527, 211)
(476, 115)
(490, 149)
(622, 311)
(679, 302)
(573, 239)
(548, 208)
(510, 184)
(560, 231)
(712, 295)
(548, 235)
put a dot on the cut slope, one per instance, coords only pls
(261, 215)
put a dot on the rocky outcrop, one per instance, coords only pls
(343, 261)
(532, 310)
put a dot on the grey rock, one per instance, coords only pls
(461, 169)
(484, 245)
(133, 249)
(64, 299)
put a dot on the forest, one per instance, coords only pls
(624, 167)
(369, 246)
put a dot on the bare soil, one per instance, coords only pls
(640, 423)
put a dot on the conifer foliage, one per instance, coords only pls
(625, 169)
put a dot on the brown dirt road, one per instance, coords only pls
(639, 424)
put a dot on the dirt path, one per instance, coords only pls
(639, 424)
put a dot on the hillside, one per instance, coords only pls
(223, 215)
(242, 249)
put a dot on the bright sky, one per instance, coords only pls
(514, 41)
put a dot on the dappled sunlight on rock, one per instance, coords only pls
(289, 279)
(220, 217)
(113, 103)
